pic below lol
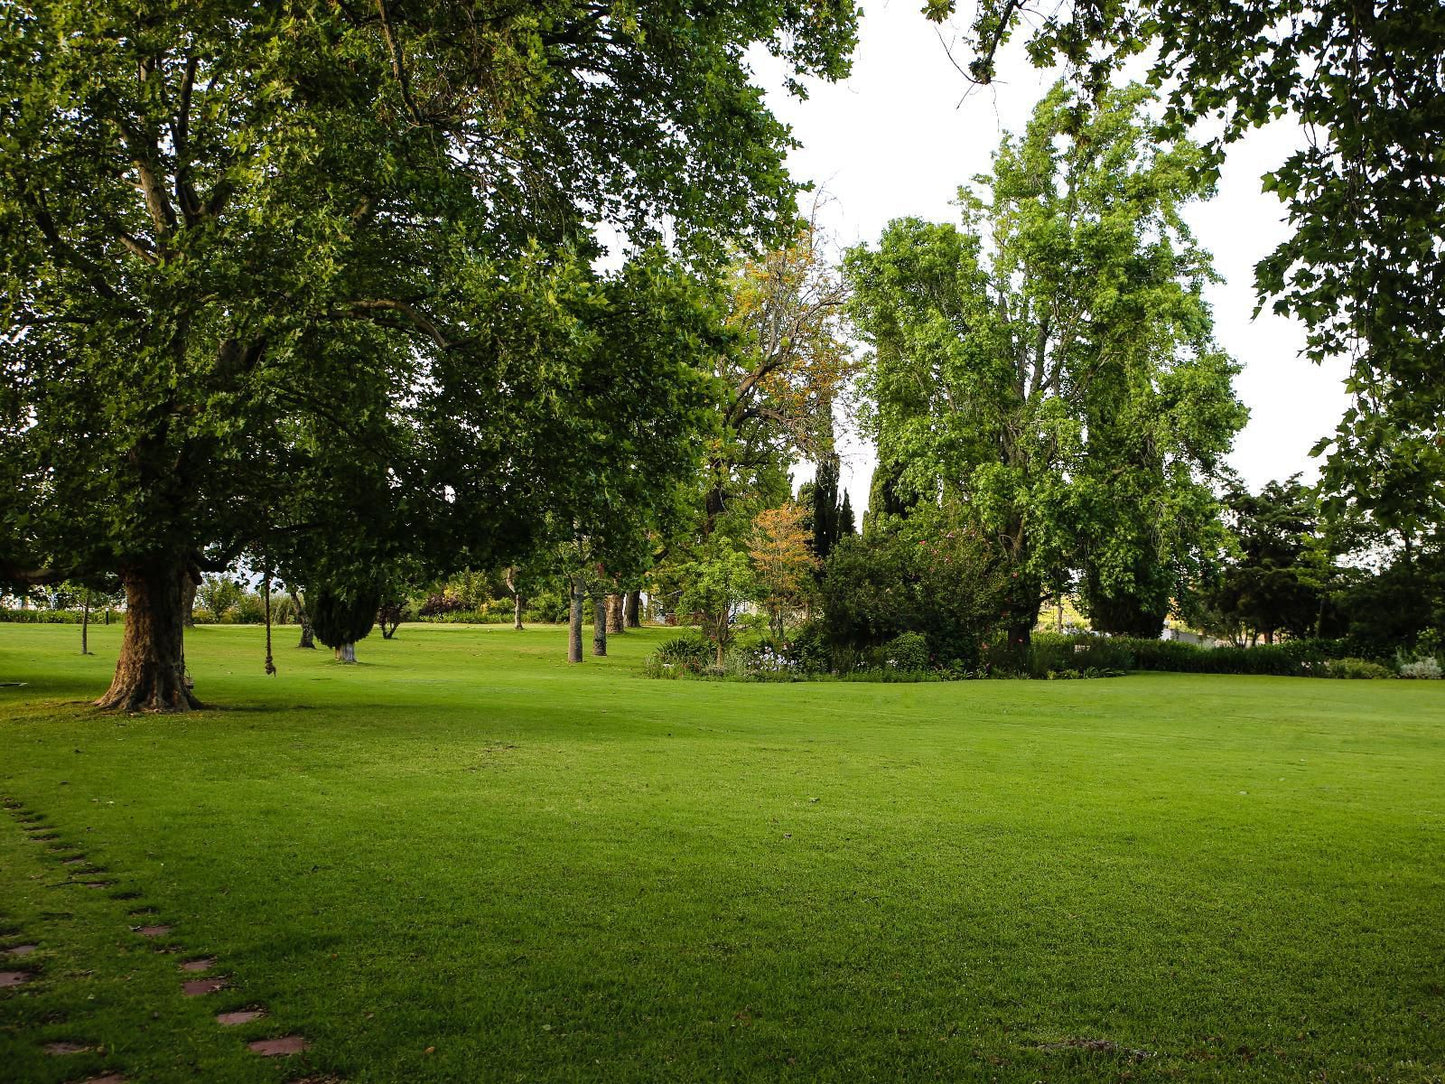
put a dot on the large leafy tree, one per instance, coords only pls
(1363, 267)
(246, 242)
(1049, 367)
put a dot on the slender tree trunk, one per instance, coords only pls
(615, 622)
(303, 619)
(599, 623)
(150, 674)
(85, 624)
(574, 624)
(632, 610)
(346, 653)
(511, 577)
(270, 662)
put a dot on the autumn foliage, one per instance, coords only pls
(783, 562)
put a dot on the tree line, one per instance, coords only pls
(320, 290)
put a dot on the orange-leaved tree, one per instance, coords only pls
(783, 562)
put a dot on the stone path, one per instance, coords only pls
(15, 955)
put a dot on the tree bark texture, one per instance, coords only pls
(346, 653)
(599, 623)
(150, 674)
(574, 624)
(304, 620)
(188, 599)
(632, 610)
(614, 614)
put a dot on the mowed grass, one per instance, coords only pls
(465, 861)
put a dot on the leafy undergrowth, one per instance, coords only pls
(464, 860)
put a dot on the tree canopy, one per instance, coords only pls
(1362, 268)
(1050, 366)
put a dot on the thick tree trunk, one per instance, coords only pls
(614, 614)
(574, 625)
(599, 623)
(150, 674)
(346, 653)
(632, 610)
(303, 619)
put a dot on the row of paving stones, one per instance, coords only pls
(93, 877)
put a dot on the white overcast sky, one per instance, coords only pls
(899, 136)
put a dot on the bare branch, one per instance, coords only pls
(65, 252)
(418, 319)
(398, 69)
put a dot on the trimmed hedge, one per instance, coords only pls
(51, 617)
(1294, 658)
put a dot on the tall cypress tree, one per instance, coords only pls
(846, 524)
(831, 519)
(825, 507)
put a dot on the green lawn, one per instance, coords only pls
(465, 861)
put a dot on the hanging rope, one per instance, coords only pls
(266, 588)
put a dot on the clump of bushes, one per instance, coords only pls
(809, 649)
(927, 577)
(907, 652)
(43, 617)
(1427, 669)
(441, 605)
(1356, 668)
(679, 657)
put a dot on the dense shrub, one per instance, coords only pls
(548, 607)
(924, 576)
(1049, 652)
(1273, 659)
(440, 605)
(1356, 668)
(679, 656)
(45, 617)
(907, 652)
(1427, 669)
(808, 649)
